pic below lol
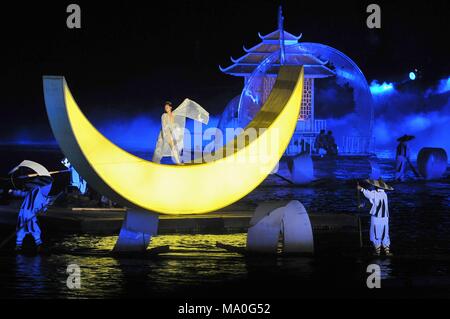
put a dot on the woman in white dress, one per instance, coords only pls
(167, 138)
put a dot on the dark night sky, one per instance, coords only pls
(130, 56)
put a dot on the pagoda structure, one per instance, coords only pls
(308, 127)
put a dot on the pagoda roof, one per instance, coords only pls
(311, 71)
(245, 65)
(276, 35)
(257, 58)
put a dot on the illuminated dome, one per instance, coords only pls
(333, 75)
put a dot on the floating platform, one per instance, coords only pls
(109, 220)
(331, 230)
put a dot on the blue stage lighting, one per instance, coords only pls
(376, 88)
(412, 76)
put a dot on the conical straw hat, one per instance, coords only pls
(379, 183)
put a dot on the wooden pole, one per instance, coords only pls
(7, 239)
(11, 236)
(413, 169)
(284, 178)
(35, 175)
(358, 198)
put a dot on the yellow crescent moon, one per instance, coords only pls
(170, 189)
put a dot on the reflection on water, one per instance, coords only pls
(385, 267)
(194, 267)
(193, 261)
(420, 223)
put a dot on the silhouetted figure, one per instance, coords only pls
(320, 143)
(36, 199)
(402, 156)
(330, 144)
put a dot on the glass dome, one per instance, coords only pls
(350, 119)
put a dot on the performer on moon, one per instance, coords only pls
(167, 137)
(171, 138)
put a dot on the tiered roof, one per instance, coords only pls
(245, 65)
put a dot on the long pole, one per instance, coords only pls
(35, 175)
(413, 168)
(281, 28)
(7, 239)
(358, 198)
(284, 178)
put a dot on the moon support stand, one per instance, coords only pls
(432, 162)
(286, 218)
(138, 228)
(302, 169)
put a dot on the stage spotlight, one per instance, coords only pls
(415, 74)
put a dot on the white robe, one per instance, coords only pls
(168, 140)
(171, 138)
(35, 201)
(379, 222)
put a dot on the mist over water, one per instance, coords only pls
(405, 109)
(139, 133)
(422, 113)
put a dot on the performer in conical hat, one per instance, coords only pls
(379, 183)
(402, 156)
(379, 222)
(35, 192)
(406, 138)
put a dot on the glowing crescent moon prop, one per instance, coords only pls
(170, 189)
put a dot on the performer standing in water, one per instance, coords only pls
(167, 136)
(402, 157)
(35, 201)
(379, 222)
(35, 192)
